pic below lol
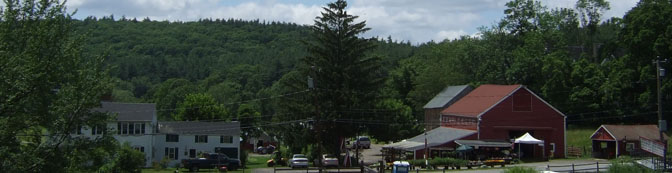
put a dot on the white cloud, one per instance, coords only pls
(416, 21)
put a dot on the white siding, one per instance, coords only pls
(186, 143)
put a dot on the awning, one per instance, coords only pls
(435, 137)
(482, 143)
(528, 139)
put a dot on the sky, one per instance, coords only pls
(416, 21)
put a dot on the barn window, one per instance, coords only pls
(522, 102)
(629, 146)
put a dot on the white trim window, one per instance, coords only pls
(130, 128)
(630, 146)
(201, 138)
(171, 153)
(226, 139)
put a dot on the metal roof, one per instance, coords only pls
(197, 127)
(483, 143)
(448, 96)
(480, 100)
(435, 137)
(129, 111)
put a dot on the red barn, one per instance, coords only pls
(505, 112)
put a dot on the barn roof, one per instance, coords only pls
(480, 100)
(448, 96)
(632, 132)
(129, 111)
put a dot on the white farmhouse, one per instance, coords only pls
(136, 123)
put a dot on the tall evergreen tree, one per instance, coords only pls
(345, 77)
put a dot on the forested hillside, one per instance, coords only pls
(590, 68)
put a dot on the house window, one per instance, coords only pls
(226, 139)
(192, 153)
(201, 138)
(629, 146)
(172, 138)
(171, 153)
(522, 102)
(124, 128)
(98, 130)
(137, 128)
(77, 130)
(129, 128)
(139, 148)
(603, 145)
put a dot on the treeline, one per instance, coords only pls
(594, 70)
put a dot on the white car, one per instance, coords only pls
(329, 160)
(362, 142)
(298, 160)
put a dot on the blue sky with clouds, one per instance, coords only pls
(413, 20)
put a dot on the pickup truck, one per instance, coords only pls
(211, 160)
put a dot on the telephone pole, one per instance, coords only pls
(662, 124)
(316, 124)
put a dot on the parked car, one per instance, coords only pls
(298, 160)
(362, 142)
(211, 160)
(329, 160)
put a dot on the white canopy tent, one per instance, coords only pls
(529, 139)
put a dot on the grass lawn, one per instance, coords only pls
(253, 162)
(580, 137)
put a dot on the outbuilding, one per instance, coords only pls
(611, 141)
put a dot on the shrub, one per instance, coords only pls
(243, 157)
(520, 169)
(625, 164)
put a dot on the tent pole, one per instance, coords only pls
(518, 151)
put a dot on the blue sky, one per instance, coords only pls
(414, 20)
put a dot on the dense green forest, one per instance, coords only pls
(307, 84)
(594, 70)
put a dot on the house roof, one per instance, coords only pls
(129, 111)
(197, 127)
(480, 100)
(435, 137)
(632, 132)
(448, 96)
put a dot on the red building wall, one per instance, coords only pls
(523, 112)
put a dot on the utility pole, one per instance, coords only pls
(662, 124)
(426, 150)
(316, 124)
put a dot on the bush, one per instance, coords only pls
(626, 164)
(243, 157)
(520, 169)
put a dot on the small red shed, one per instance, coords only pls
(505, 112)
(611, 141)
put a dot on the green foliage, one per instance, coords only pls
(520, 169)
(448, 162)
(626, 164)
(48, 88)
(249, 119)
(200, 106)
(244, 157)
(127, 159)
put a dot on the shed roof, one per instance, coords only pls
(484, 143)
(480, 100)
(632, 132)
(448, 96)
(197, 127)
(435, 137)
(129, 111)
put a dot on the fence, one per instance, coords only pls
(575, 151)
(584, 167)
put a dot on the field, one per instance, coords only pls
(580, 137)
(254, 161)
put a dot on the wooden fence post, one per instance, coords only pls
(572, 167)
(598, 166)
